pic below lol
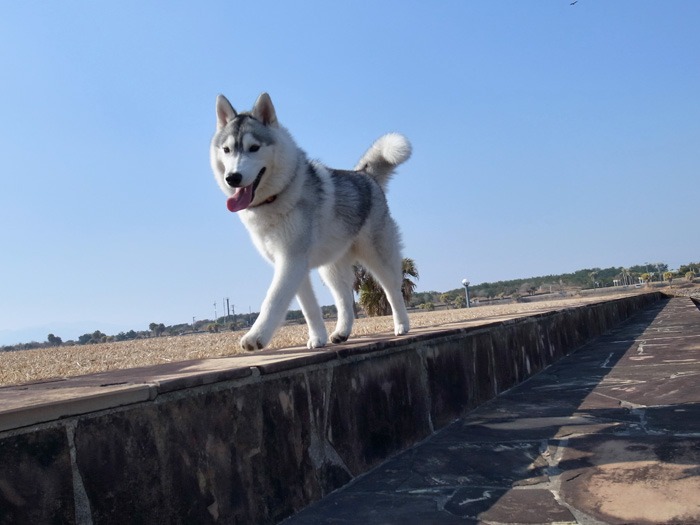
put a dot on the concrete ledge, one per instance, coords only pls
(254, 439)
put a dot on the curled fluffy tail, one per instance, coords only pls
(383, 156)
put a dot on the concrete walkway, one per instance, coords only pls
(609, 434)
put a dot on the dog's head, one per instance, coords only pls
(241, 150)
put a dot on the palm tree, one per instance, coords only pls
(625, 276)
(372, 296)
(408, 269)
(594, 278)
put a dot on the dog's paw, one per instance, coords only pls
(339, 337)
(401, 329)
(315, 342)
(251, 342)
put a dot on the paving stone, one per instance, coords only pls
(512, 506)
(646, 479)
(438, 464)
(353, 508)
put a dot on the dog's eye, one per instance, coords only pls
(253, 148)
(227, 149)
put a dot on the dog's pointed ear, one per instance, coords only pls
(264, 111)
(224, 112)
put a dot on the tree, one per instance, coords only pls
(594, 278)
(53, 340)
(626, 276)
(295, 315)
(408, 269)
(157, 328)
(329, 311)
(421, 297)
(93, 338)
(668, 276)
(527, 288)
(661, 267)
(371, 295)
(690, 267)
(689, 276)
(446, 299)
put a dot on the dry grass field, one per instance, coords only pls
(65, 361)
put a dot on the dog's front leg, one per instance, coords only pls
(318, 335)
(288, 276)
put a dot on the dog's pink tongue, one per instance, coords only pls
(241, 200)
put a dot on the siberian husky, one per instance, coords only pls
(303, 215)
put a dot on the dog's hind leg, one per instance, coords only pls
(386, 269)
(339, 278)
(318, 336)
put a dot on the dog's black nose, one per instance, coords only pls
(234, 179)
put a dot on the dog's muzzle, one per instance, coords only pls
(234, 179)
(243, 197)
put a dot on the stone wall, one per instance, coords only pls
(261, 447)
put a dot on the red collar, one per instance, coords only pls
(269, 200)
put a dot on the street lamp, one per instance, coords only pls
(465, 283)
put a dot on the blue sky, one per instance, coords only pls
(547, 138)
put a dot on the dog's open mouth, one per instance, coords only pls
(244, 196)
